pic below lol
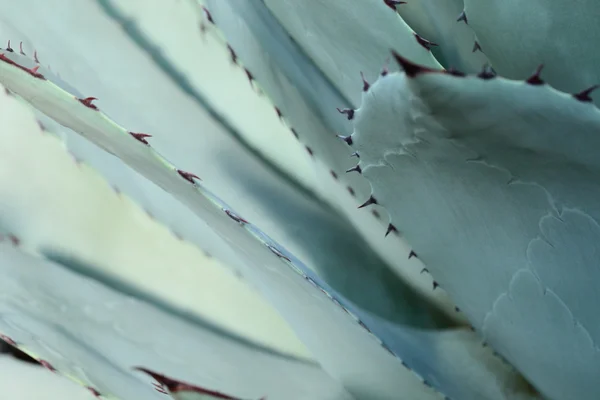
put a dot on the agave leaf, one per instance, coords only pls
(517, 37)
(436, 21)
(358, 42)
(299, 296)
(210, 72)
(430, 354)
(99, 336)
(289, 216)
(16, 378)
(467, 152)
(308, 101)
(126, 244)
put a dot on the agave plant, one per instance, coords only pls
(303, 199)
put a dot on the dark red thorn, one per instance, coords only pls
(391, 228)
(370, 200)
(356, 168)
(410, 69)
(456, 309)
(141, 137)
(366, 84)
(8, 48)
(535, 79)
(33, 72)
(249, 75)
(14, 240)
(355, 154)
(47, 365)
(88, 102)
(294, 133)
(584, 96)
(424, 42)
(462, 17)
(175, 386)
(188, 176)
(347, 139)
(351, 191)
(365, 327)
(376, 214)
(333, 174)
(278, 253)
(35, 57)
(94, 392)
(8, 340)
(386, 348)
(455, 72)
(309, 150)
(476, 47)
(348, 111)
(278, 111)
(385, 70)
(21, 49)
(412, 254)
(487, 73)
(208, 15)
(435, 285)
(235, 217)
(232, 53)
(393, 3)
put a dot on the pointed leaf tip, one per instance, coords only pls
(410, 69)
(393, 3)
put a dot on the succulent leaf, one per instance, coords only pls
(98, 335)
(517, 37)
(296, 302)
(436, 21)
(307, 98)
(468, 152)
(359, 41)
(210, 72)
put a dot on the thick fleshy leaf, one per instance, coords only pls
(43, 188)
(209, 71)
(258, 193)
(98, 336)
(430, 354)
(308, 100)
(358, 42)
(517, 37)
(301, 298)
(493, 180)
(23, 381)
(436, 21)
